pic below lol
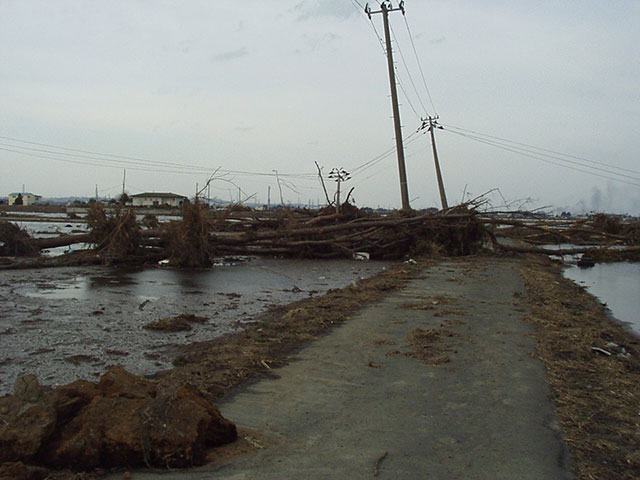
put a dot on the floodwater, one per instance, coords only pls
(67, 323)
(617, 285)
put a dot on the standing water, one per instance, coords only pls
(617, 285)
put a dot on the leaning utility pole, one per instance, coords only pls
(431, 124)
(385, 8)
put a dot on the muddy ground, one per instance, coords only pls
(72, 322)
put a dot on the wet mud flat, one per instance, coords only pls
(73, 322)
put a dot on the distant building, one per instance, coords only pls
(157, 199)
(24, 198)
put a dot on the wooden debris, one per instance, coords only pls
(376, 467)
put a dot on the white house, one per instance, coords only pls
(156, 199)
(24, 198)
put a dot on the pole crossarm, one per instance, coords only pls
(384, 6)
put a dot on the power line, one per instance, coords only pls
(543, 149)
(415, 51)
(523, 152)
(424, 109)
(94, 158)
(377, 159)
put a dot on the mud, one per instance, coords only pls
(68, 323)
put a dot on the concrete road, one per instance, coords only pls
(352, 405)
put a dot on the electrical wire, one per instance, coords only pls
(523, 152)
(93, 158)
(415, 51)
(424, 109)
(542, 149)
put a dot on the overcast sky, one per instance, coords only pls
(249, 87)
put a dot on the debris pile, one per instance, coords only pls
(124, 420)
(188, 240)
(204, 233)
(116, 235)
(603, 237)
(390, 237)
(15, 242)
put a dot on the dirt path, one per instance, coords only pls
(435, 381)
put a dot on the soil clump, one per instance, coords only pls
(124, 420)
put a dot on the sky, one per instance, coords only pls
(539, 101)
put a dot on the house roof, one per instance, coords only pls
(157, 195)
(23, 194)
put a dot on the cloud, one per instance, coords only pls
(314, 43)
(232, 55)
(310, 9)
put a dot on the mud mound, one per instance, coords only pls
(124, 420)
(179, 323)
(19, 471)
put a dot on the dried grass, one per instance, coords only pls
(596, 396)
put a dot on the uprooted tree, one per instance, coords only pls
(187, 240)
(116, 235)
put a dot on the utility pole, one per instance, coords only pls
(269, 197)
(279, 188)
(385, 8)
(340, 175)
(431, 124)
(124, 178)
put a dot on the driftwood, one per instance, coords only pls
(61, 241)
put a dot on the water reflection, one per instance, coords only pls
(617, 285)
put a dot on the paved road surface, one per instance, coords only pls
(349, 403)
